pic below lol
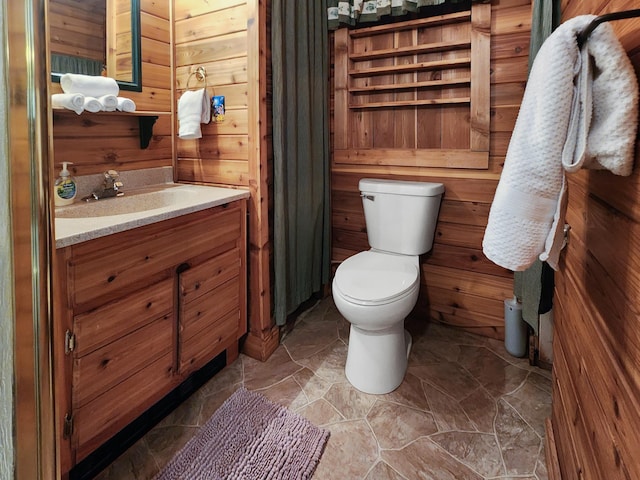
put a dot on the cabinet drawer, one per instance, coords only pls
(209, 275)
(109, 322)
(206, 310)
(109, 413)
(101, 370)
(197, 351)
(152, 253)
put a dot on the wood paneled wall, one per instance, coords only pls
(596, 371)
(103, 141)
(213, 35)
(229, 39)
(459, 285)
(77, 28)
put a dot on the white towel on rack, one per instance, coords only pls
(89, 85)
(194, 108)
(126, 105)
(109, 102)
(70, 101)
(590, 123)
(92, 104)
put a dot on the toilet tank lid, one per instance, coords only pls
(401, 187)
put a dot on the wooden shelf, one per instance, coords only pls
(453, 83)
(437, 70)
(412, 103)
(411, 50)
(411, 67)
(457, 17)
(146, 120)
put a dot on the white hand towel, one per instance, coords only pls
(194, 108)
(89, 85)
(70, 101)
(109, 102)
(92, 104)
(568, 115)
(126, 105)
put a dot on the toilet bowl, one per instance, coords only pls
(375, 290)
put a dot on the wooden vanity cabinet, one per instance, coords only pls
(136, 313)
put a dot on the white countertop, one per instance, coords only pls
(84, 221)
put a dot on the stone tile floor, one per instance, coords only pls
(466, 409)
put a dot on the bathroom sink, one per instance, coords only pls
(84, 221)
(133, 203)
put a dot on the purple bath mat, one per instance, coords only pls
(249, 437)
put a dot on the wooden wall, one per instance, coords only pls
(459, 285)
(596, 387)
(229, 39)
(77, 28)
(102, 141)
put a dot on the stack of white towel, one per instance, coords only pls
(90, 93)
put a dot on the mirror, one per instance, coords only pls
(96, 37)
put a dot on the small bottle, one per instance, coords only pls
(64, 188)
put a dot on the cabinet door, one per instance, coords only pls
(209, 310)
(107, 414)
(123, 361)
(104, 368)
(116, 319)
(209, 275)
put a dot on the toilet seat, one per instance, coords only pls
(376, 278)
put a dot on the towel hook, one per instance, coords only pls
(584, 35)
(200, 73)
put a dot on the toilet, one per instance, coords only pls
(375, 290)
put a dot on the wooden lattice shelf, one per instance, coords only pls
(437, 66)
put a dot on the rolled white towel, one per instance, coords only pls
(109, 102)
(126, 105)
(92, 104)
(89, 85)
(70, 101)
(194, 108)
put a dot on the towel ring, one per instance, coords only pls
(200, 73)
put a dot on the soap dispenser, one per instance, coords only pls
(64, 189)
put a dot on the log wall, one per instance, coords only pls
(459, 285)
(596, 371)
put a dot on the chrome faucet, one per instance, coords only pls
(111, 187)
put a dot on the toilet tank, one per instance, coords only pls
(401, 216)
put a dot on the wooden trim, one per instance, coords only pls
(480, 72)
(551, 454)
(411, 24)
(411, 67)
(414, 158)
(261, 323)
(260, 345)
(412, 50)
(454, 82)
(341, 90)
(412, 103)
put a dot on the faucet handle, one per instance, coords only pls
(111, 174)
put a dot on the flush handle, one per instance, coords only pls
(368, 197)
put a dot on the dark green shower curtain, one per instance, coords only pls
(300, 152)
